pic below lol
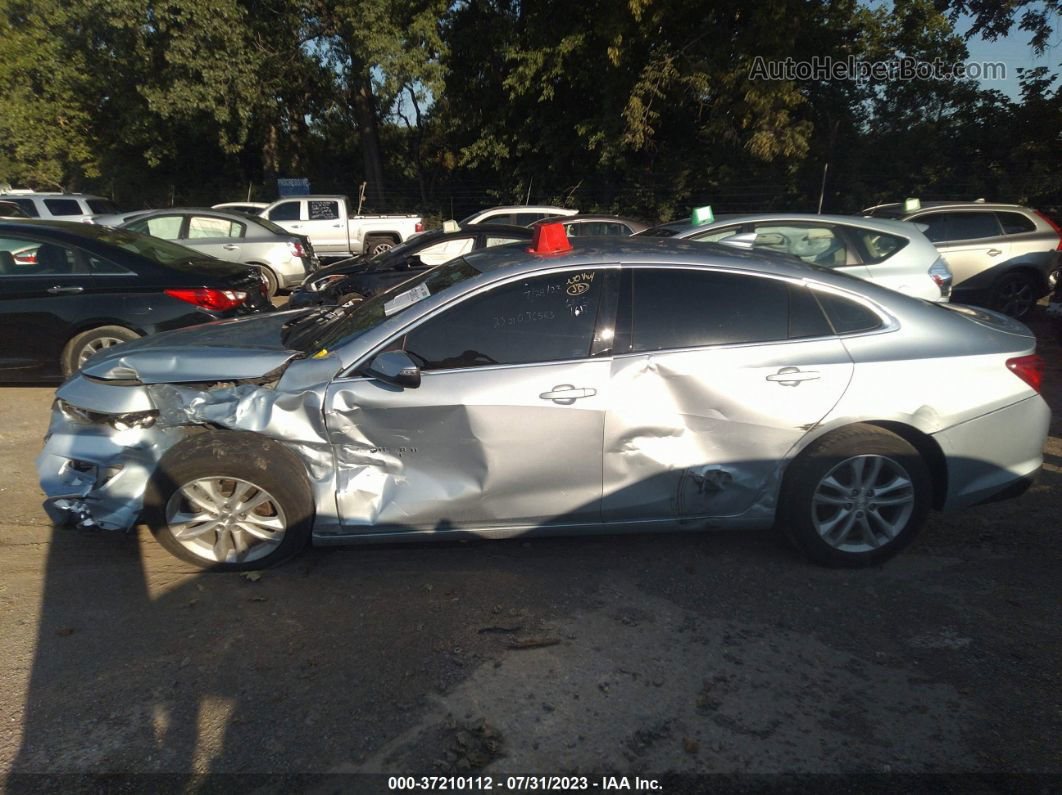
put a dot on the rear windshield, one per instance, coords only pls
(658, 231)
(276, 229)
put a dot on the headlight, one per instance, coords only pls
(120, 422)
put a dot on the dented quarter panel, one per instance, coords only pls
(702, 433)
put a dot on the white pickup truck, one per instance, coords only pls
(334, 231)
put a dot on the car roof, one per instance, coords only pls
(686, 229)
(72, 231)
(596, 251)
(49, 195)
(579, 217)
(207, 211)
(524, 207)
(507, 229)
(896, 208)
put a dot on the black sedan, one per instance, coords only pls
(68, 290)
(362, 277)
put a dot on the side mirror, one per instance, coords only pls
(395, 368)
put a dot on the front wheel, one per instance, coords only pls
(856, 497)
(378, 244)
(230, 501)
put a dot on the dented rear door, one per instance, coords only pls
(699, 430)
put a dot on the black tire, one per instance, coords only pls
(1014, 294)
(90, 341)
(233, 456)
(800, 517)
(349, 297)
(377, 244)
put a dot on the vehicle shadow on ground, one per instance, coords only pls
(146, 666)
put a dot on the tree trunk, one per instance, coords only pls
(270, 159)
(365, 115)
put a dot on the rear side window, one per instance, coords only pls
(806, 319)
(167, 227)
(201, 226)
(63, 206)
(677, 308)
(717, 235)
(875, 247)
(105, 267)
(937, 226)
(526, 219)
(1015, 223)
(322, 210)
(101, 206)
(847, 317)
(541, 319)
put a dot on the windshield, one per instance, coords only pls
(335, 327)
(386, 260)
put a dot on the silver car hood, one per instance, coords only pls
(227, 350)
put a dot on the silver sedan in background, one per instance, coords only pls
(891, 253)
(582, 386)
(284, 258)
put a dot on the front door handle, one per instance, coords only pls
(231, 247)
(296, 226)
(57, 290)
(337, 226)
(793, 376)
(993, 252)
(566, 394)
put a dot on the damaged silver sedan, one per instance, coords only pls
(595, 387)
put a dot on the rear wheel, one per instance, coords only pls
(272, 283)
(855, 497)
(377, 244)
(1014, 294)
(230, 501)
(88, 343)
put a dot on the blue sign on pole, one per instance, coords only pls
(299, 186)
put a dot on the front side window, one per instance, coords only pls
(205, 227)
(63, 206)
(285, 211)
(817, 245)
(537, 319)
(686, 308)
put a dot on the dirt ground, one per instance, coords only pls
(637, 655)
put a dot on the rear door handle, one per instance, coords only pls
(337, 226)
(993, 252)
(566, 394)
(793, 376)
(57, 290)
(231, 247)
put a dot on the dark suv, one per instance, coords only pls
(1001, 255)
(68, 290)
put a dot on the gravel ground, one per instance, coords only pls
(638, 655)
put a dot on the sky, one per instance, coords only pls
(1014, 51)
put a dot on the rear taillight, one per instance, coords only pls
(1051, 223)
(296, 249)
(419, 226)
(209, 297)
(940, 273)
(1029, 369)
(26, 257)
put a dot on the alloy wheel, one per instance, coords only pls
(225, 520)
(863, 503)
(95, 346)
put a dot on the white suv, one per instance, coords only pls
(59, 206)
(516, 214)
